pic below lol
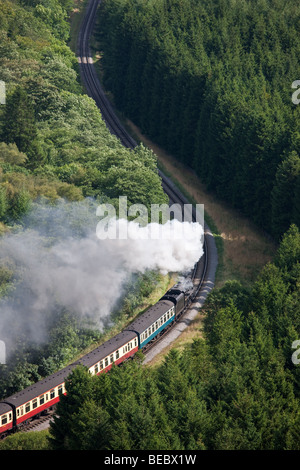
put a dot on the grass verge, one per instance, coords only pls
(76, 17)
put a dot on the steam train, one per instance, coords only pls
(42, 396)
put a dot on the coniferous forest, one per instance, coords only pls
(235, 389)
(211, 82)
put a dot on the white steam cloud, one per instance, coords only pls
(60, 261)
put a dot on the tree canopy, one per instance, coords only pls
(56, 151)
(211, 82)
(236, 388)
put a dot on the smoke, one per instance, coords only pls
(185, 283)
(172, 247)
(60, 261)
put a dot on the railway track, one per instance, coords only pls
(203, 274)
(204, 271)
(91, 80)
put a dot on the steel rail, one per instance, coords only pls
(91, 81)
(94, 90)
(208, 262)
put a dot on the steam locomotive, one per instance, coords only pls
(42, 396)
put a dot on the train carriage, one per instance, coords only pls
(114, 351)
(32, 400)
(44, 394)
(151, 324)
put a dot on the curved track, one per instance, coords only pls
(203, 275)
(90, 78)
(204, 271)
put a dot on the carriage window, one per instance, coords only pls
(152, 328)
(96, 368)
(34, 403)
(135, 342)
(42, 399)
(117, 354)
(4, 419)
(156, 325)
(52, 394)
(27, 407)
(106, 361)
(111, 358)
(60, 389)
(101, 365)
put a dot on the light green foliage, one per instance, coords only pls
(9, 153)
(55, 149)
(26, 441)
(54, 126)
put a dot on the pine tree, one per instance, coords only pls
(3, 203)
(19, 121)
(20, 126)
(284, 193)
(295, 218)
(78, 387)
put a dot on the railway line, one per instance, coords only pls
(203, 274)
(204, 271)
(91, 80)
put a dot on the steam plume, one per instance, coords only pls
(61, 261)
